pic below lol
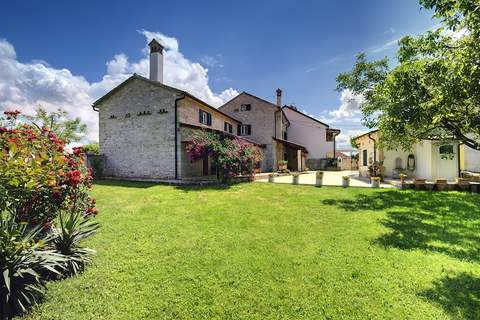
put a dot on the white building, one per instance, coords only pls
(427, 160)
(316, 136)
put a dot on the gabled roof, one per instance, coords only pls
(160, 85)
(364, 134)
(253, 96)
(306, 116)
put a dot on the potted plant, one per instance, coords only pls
(295, 178)
(271, 178)
(375, 182)
(345, 181)
(319, 178)
(441, 184)
(282, 165)
(419, 183)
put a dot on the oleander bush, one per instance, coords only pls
(45, 211)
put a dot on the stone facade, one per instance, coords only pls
(137, 131)
(266, 120)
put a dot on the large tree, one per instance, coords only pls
(433, 90)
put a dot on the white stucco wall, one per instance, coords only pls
(472, 160)
(428, 162)
(309, 133)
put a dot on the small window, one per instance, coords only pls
(285, 136)
(245, 107)
(204, 118)
(365, 158)
(228, 127)
(329, 137)
(448, 149)
(245, 130)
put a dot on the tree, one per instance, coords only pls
(69, 130)
(433, 91)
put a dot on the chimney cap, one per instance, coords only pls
(155, 46)
(279, 92)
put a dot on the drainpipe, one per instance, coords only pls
(176, 134)
(374, 147)
(459, 161)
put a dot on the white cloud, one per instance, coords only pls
(25, 86)
(350, 105)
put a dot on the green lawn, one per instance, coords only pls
(263, 251)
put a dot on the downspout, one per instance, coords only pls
(176, 134)
(459, 162)
(374, 147)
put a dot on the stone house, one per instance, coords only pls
(267, 124)
(145, 125)
(287, 133)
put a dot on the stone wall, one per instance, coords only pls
(137, 134)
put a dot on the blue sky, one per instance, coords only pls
(254, 46)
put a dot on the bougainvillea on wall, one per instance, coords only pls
(233, 156)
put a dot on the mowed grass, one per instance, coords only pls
(263, 251)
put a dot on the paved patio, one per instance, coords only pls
(330, 178)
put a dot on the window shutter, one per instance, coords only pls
(249, 106)
(239, 130)
(225, 126)
(209, 119)
(249, 129)
(200, 118)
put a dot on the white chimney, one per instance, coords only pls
(279, 97)
(156, 61)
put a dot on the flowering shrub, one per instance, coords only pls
(38, 178)
(233, 156)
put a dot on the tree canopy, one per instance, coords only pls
(67, 129)
(433, 89)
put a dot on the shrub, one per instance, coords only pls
(38, 178)
(233, 156)
(23, 260)
(91, 148)
(72, 228)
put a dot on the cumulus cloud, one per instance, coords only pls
(28, 85)
(350, 105)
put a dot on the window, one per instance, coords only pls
(204, 118)
(448, 149)
(365, 158)
(329, 137)
(245, 129)
(245, 107)
(285, 136)
(228, 127)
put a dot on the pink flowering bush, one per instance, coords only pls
(233, 156)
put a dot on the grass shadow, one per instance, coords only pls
(459, 295)
(446, 223)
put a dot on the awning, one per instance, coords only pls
(291, 144)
